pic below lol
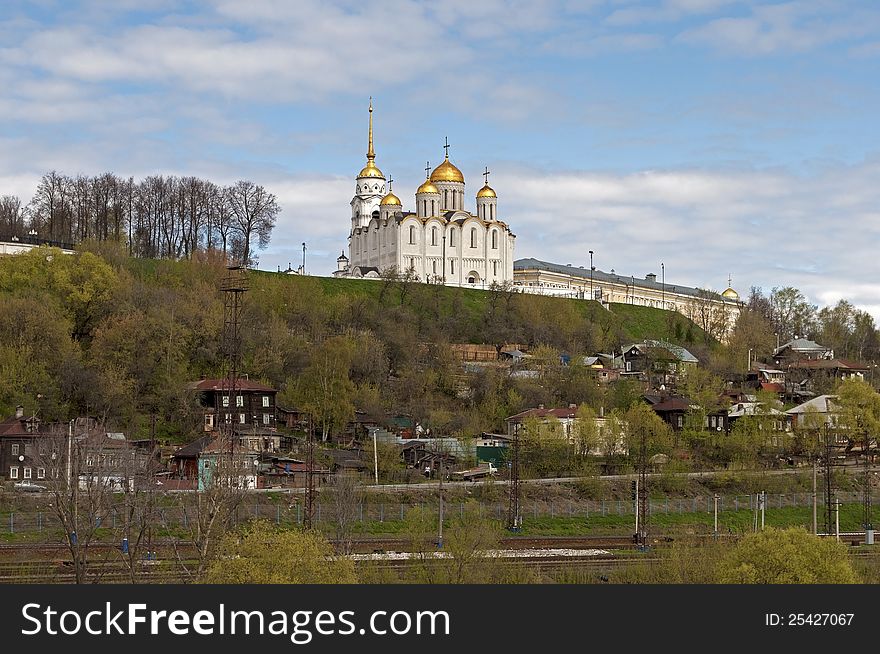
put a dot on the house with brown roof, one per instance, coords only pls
(251, 405)
(19, 436)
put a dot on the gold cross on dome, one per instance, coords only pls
(427, 169)
(486, 174)
(446, 147)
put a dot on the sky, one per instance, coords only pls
(717, 137)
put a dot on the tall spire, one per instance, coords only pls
(371, 156)
(370, 170)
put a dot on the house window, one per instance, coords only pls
(265, 400)
(239, 400)
(90, 461)
(225, 400)
(473, 237)
(15, 449)
(13, 473)
(27, 473)
(266, 418)
(680, 421)
(209, 422)
(41, 473)
(241, 418)
(228, 418)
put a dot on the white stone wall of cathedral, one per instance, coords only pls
(486, 208)
(451, 195)
(432, 208)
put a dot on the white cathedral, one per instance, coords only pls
(439, 242)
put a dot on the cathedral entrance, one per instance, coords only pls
(473, 277)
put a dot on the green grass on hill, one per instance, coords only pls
(470, 306)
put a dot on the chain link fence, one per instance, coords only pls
(290, 514)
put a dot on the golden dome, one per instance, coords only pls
(447, 172)
(730, 294)
(427, 187)
(486, 192)
(371, 170)
(390, 199)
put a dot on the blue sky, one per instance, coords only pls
(719, 137)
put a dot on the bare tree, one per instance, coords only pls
(82, 476)
(347, 494)
(254, 210)
(11, 215)
(209, 511)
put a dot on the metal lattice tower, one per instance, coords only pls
(233, 286)
(513, 515)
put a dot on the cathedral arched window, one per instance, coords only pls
(425, 210)
(376, 215)
(433, 212)
(494, 239)
(494, 267)
(412, 235)
(452, 237)
(473, 237)
(445, 198)
(452, 266)
(433, 236)
(434, 267)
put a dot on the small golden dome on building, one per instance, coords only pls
(371, 170)
(427, 187)
(447, 172)
(390, 199)
(486, 192)
(730, 294)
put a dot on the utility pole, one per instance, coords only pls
(763, 507)
(837, 519)
(869, 527)
(309, 513)
(513, 517)
(635, 499)
(663, 285)
(815, 499)
(829, 483)
(715, 497)
(375, 457)
(304, 258)
(592, 268)
(642, 534)
(440, 529)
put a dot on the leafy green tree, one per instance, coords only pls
(645, 433)
(786, 556)
(325, 390)
(262, 554)
(859, 408)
